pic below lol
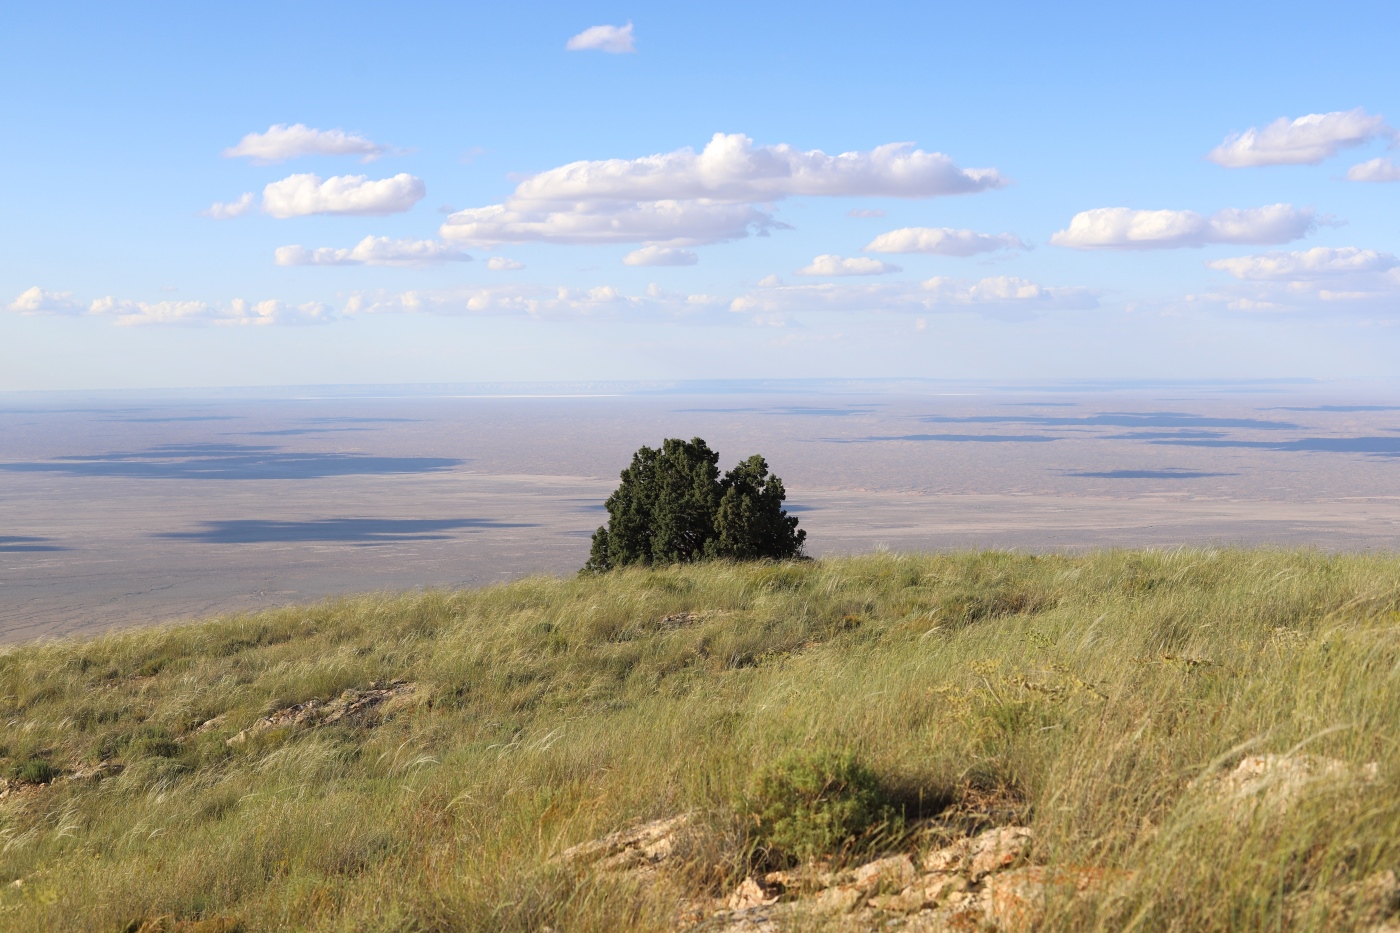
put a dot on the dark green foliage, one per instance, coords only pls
(674, 507)
(751, 523)
(34, 771)
(809, 804)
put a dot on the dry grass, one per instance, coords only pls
(1085, 692)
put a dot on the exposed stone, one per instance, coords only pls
(352, 703)
(641, 848)
(839, 899)
(751, 893)
(1281, 780)
(1017, 900)
(997, 849)
(893, 873)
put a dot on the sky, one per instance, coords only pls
(309, 193)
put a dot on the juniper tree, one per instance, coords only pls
(673, 507)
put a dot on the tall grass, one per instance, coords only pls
(1085, 692)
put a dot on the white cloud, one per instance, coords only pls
(234, 313)
(1322, 280)
(373, 251)
(683, 198)
(829, 264)
(614, 39)
(942, 241)
(282, 142)
(221, 210)
(1304, 141)
(600, 302)
(1124, 228)
(660, 256)
(732, 168)
(865, 212)
(303, 195)
(673, 223)
(502, 264)
(1378, 169)
(996, 294)
(39, 301)
(1319, 262)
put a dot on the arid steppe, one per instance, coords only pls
(120, 510)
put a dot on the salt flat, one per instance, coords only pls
(118, 510)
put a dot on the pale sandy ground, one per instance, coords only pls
(117, 511)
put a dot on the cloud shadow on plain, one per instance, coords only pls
(23, 544)
(953, 438)
(364, 531)
(231, 461)
(1380, 446)
(1121, 419)
(1167, 473)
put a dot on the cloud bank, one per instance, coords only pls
(998, 295)
(373, 251)
(234, 313)
(684, 198)
(220, 210)
(282, 142)
(1124, 228)
(835, 265)
(1322, 280)
(304, 195)
(38, 301)
(615, 40)
(660, 256)
(1379, 169)
(942, 241)
(1304, 141)
(1318, 262)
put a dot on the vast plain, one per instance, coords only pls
(127, 509)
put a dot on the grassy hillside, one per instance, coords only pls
(152, 779)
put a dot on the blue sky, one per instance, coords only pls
(119, 119)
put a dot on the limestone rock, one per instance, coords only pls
(641, 848)
(1279, 781)
(351, 703)
(1017, 900)
(750, 894)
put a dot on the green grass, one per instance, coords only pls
(1084, 693)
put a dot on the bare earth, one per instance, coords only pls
(124, 510)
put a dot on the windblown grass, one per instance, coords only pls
(1087, 691)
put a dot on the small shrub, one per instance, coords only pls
(810, 804)
(152, 742)
(34, 771)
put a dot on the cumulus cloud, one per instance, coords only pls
(1379, 169)
(1124, 228)
(502, 264)
(1304, 141)
(282, 142)
(660, 256)
(672, 223)
(221, 210)
(1319, 262)
(732, 168)
(684, 198)
(236, 313)
(604, 302)
(303, 195)
(829, 264)
(1321, 280)
(373, 251)
(996, 295)
(39, 301)
(612, 39)
(942, 241)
